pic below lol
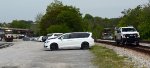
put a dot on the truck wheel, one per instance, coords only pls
(122, 42)
(117, 42)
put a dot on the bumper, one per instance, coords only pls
(46, 46)
(130, 40)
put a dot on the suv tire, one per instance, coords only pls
(122, 41)
(54, 46)
(117, 42)
(85, 45)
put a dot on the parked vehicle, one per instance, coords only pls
(2, 33)
(40, 39)
(35, 38)
(50, 36)
(8, 36)
(82, 40)
(53, 35)
(26, 38)
(44, 38)
(127, 35)
(107, 36)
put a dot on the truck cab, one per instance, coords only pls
(8, 36)
(127, 35)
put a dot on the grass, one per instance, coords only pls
(107, 58)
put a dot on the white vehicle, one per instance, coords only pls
(8, 36)
(40, 39)
(127, 35)
(53, 35)
(107, 36)
(82, 40)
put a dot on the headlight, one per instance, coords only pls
(137, 35)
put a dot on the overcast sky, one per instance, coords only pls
(28, 9)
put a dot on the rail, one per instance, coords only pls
(143, 48)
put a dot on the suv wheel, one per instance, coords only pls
(117, 42)
(85, 45)
(122, 41)
(54, 46)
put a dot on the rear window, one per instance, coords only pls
(79, 35)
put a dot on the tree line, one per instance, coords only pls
(63, 18)
(138, 17)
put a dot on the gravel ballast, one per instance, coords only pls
(139, 59)
(30, 54)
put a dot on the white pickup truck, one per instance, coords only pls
(127, 35)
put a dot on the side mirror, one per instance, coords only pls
(61, 38)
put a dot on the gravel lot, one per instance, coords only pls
(30, 54)
(141, 60)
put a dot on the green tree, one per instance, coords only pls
(21, 24)
(145, 22)
(93, 24)
(36, 25)
(71, 19)
(131, 17)
(138, 17)
(88, 22)
(58, 29)
(57, 14)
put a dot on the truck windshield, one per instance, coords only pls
(128, 29)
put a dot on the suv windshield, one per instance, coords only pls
(49, 34)
(57, 34)
(128, 29)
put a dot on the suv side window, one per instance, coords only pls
(84, 35)
(66, 36)
(79, 35)
(73, 35)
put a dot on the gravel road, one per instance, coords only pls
(30, 54)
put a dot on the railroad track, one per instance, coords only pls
(4, 45)
(145, 42)
(141, 48)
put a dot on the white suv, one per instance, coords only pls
(127, 35)
(82, 40)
